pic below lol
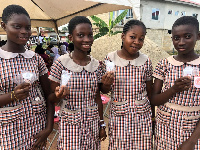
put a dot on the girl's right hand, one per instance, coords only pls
(21, 91)
(181, 84)
(61, 92)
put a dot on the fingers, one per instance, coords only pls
(61, 92)
(108, 78)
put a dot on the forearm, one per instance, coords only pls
(195, 135)
(161, 98)
(100, 105)
(6, 99)
(50, 115)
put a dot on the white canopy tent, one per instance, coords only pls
(54, 13)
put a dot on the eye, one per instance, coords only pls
(132, 37)
(141, 39)
(90, 35)
(188, 36)
(16, 26)
(80, 35)
(176, 38)
(28, 28)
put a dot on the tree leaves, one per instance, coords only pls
(107, 29)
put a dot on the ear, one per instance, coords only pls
(198, 36)
(123, 37)
(70, 37)
(3, 25)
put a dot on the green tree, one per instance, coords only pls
(104, 28)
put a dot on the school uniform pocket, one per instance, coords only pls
(10, 114)
(93, 122)
(71, 116)
(189, 122)
(120, 108)
(142, 106)
(70, 129)
(11, 126)
(163, 117)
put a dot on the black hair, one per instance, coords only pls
(77, 20)
(50, 46)
(13, 9)
(132, 23)
(70, 47)
(187, 20)
(39, 49)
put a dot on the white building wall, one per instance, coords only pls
(165, 21)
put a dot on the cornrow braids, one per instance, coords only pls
(132, 23)
(187, 20)
(77, 20)
(13, 9)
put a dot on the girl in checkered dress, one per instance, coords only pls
(130, 125)
(81, 111)
(25, 117)
(176, 91)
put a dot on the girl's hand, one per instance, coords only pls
(41, 139)
(21, 91)
(61, 92)
(108, 78)
(181, 84)
(102, 134)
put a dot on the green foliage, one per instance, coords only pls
(105, 29)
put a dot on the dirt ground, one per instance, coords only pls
(104, 144)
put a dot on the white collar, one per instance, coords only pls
(178, 63)
(72, 66)
(9, 55)
(123, 62)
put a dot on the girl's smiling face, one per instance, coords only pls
(133, 39)
(184, 38)
(82, 37)
(18, 29)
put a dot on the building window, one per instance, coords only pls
(176, 13)
(129, 14)
(195, 15)
(155, 13)
(183, 13)
(170, 12)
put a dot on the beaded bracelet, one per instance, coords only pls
(13, 95)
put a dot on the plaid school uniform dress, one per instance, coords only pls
(130, 124)
(176, 119)
(79, 124)
(23, 119)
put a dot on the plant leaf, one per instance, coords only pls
(98, 21)
(120, 17)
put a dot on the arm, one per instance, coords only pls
(102, 132)
(42, 135)
(159, 98)
(190, 143)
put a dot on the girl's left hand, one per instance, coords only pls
(102, 134)
(187, 146)
(61, 92)
(41, 139)
(108, 78)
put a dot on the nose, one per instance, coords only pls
(181, 41)
(88, 38)
(136, 41)
(23, 30)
